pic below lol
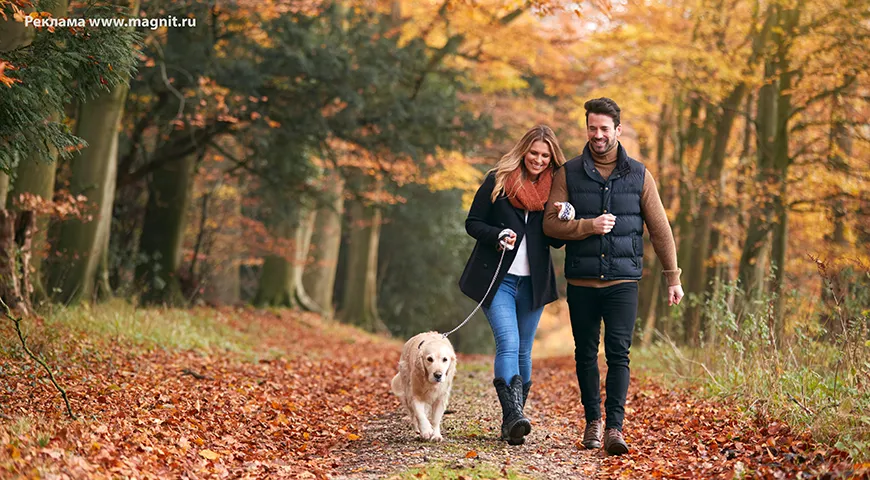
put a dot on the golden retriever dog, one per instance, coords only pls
(426, 371)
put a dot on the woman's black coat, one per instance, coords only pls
(485, 221)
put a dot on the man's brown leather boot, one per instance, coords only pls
(592, 434)
(614, 443)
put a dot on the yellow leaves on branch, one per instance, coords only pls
(457, 172)
(504, 41)
(400, 169)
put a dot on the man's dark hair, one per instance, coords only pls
(603, 106)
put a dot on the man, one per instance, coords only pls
(613, 196)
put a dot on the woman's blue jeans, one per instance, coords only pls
(513, 325)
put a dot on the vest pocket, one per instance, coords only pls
(637, 249)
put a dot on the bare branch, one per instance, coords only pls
(17, 321)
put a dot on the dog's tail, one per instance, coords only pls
(396, 385)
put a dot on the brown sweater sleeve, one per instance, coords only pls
(561, 229)
(660, 233)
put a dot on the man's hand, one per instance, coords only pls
(603, 224)
(675, 294)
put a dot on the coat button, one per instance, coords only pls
(607, 188)
(602, 277)
(605, 210)
(602, 255)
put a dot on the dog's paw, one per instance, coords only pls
(436, 437)
(426, 435)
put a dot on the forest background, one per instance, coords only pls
(321, 155)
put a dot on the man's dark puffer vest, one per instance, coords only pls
(617, 255)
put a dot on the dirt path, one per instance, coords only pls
(471, 442)
(671, 434)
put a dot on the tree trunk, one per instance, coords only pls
(13, 34)
(841, 140)
(223, 281)
(4, 188)
(277, 285)
(782, 161)
(103, 286)
(84, 245)
(319, 275)
(649, 316)
(698, 279)
(36, 176)
(163, 231)
(94, 170)
(649, 289)
(759, 225)
(774, 112)
(778, 258)
(306, 232)
(359, 302)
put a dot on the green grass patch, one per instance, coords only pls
(809, 385)
(457, 470)
(808, 368)
(471, 429)
(201, 330)
(474, 367)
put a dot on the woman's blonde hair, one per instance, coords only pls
(514, 158)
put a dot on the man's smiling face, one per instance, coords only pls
(601, 132)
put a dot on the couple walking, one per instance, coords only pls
(596, 205)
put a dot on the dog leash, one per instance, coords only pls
(497, 268)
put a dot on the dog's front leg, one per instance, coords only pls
(421, 420)
(437, 413)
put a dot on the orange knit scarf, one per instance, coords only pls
(527, 195)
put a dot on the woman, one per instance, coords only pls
(508, 212)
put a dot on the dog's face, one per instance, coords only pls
(439, 360)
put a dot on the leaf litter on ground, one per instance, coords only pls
(311, 400)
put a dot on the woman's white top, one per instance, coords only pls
(520, 265)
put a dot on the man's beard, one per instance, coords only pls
(607, 147)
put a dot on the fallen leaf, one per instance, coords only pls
(353, 436)
(471, 454)
(208, 454)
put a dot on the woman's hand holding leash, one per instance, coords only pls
(506, 239)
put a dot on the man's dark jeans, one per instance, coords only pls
(617, 305)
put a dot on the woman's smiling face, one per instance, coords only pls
(537, 159)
